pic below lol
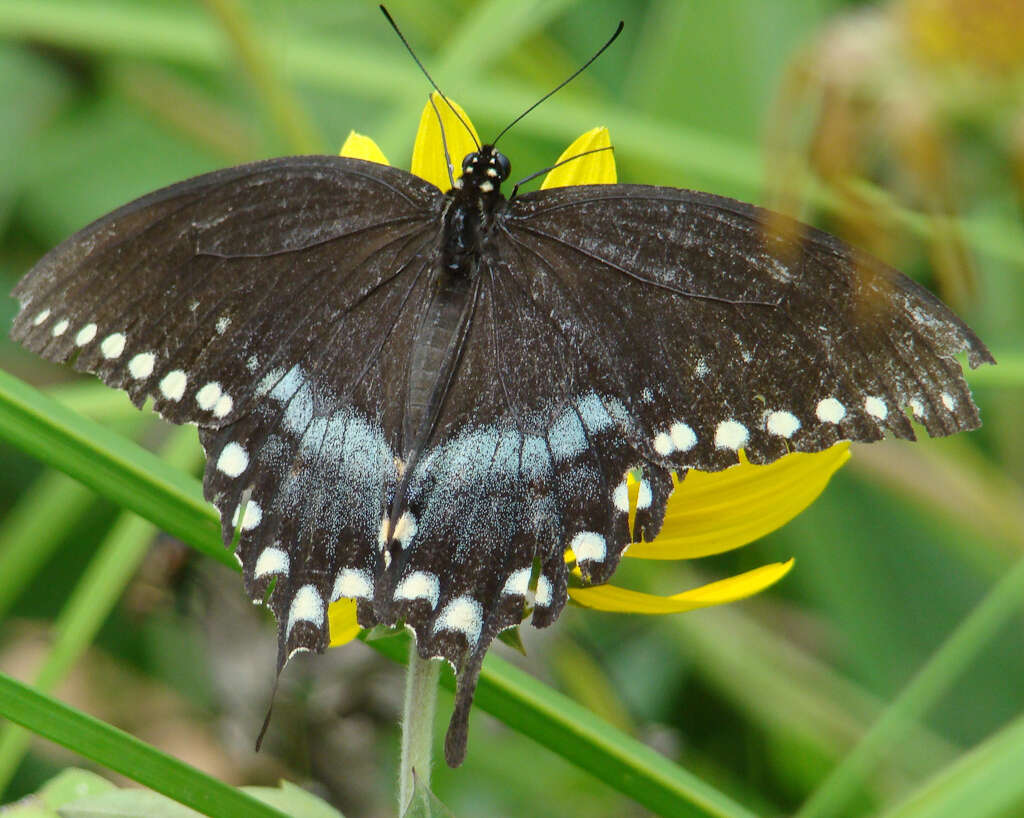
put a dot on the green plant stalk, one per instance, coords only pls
(571, 731)
(927, 687)
(421, 677)
(33, 529)
(131, 476)
(124, 753)
(179, 36)
(985, 781)
(95, 595)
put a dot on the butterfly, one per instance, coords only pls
(421, 399)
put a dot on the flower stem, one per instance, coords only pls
(417, 724)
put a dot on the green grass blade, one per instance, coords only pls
(573, 732)
(926, 688)
(109, 464)
(123, 753)
(32, 530)
(95, 595)
(983, 782)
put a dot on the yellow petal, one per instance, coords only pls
(428, 150)
(592, 169)
(712, 512)
(341, 616)
(358, 146)
(613, 598)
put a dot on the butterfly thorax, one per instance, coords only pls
(469, 216)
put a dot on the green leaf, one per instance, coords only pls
(294, 800)
(425, 804)
(68, 786)
(125, 754)
(291, 800)
(513, 639)
(71, 785)
(127, 804)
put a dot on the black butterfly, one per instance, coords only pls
(411, 398)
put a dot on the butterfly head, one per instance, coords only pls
(484, 170)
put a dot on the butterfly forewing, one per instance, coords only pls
(729, 332)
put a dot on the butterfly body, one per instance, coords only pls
(409, 398)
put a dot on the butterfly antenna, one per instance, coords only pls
(562, 84)
(430, 79)
(444, 142)
(573, 158)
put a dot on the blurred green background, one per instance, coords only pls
(899, 125)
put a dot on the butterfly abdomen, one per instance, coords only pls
(431, 348)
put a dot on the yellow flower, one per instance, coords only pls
(708, 513)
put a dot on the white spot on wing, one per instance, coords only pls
(419, 585)
(464, 615)
(917, 408)
(173, 384)
(405, 529)
(543, 598)
(731, 434)
(876, 407)
(60, 327)
(222, 324)
(589, 545)
(683, 437)
(208, 396)
(252, 518)
(141, 366)
(233, 460)
(223, 406)
(663, 444)
(41, 317)
(518, 582)
(85, 335)
(830, 410)
(353, 584)
(307, 606)
(948, 401)
(783, 424)
(271, 561)
(113, 345)
(620, 497)
(643, 495)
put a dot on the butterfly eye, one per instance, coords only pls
(504, 166)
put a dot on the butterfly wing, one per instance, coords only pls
(274, 305)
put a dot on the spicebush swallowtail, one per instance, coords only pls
(410, 397)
